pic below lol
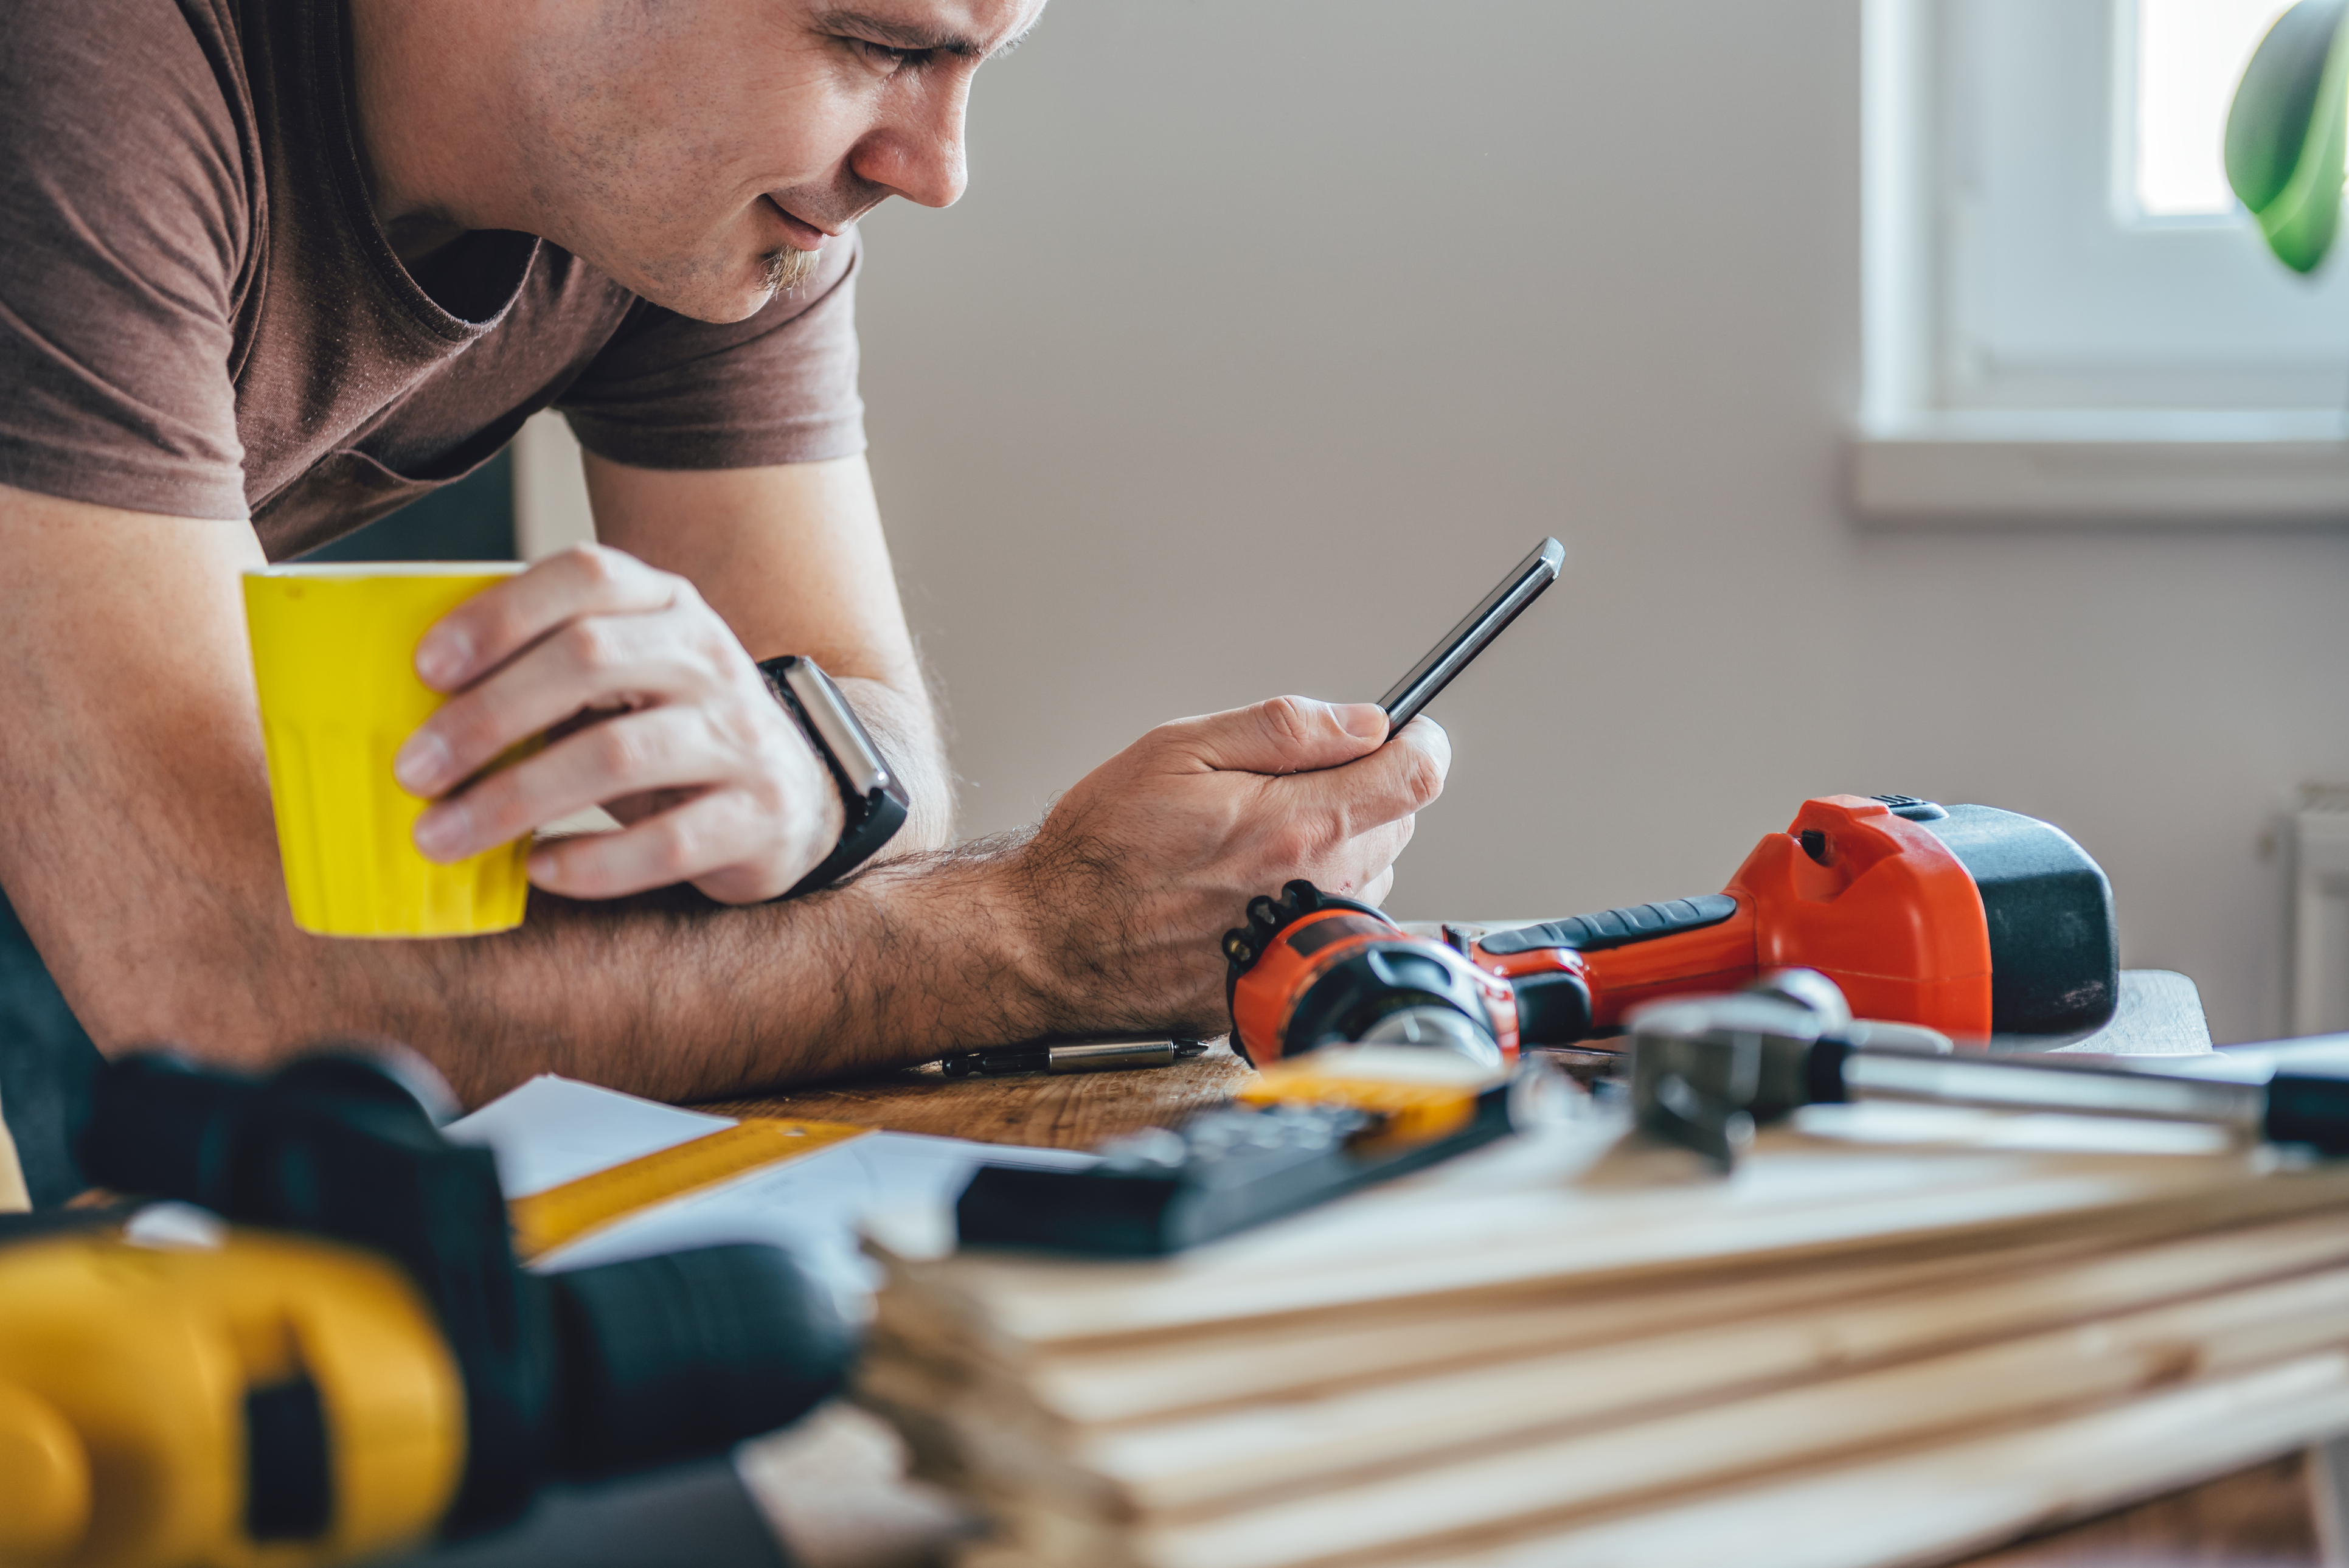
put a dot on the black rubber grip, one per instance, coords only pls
(1615, 927)
(2309, 1108)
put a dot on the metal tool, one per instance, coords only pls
(1097, 1057)
(1706, 1071)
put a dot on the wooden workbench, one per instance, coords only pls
(2160, 1014)
(1072, 1110)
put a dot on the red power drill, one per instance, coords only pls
(1964, 919)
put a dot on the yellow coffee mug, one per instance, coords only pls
(334, 653)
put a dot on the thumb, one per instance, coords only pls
(1287, 735)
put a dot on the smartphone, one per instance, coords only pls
(1466, 640)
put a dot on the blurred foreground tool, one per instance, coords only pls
(1895, 1335)
(1706, 1071)
(1300, 1134)
(370, 1367)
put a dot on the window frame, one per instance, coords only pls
(2210, 425)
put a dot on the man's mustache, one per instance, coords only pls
(832, 207)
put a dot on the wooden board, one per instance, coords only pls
(2160, 1014)
(2262, 1515)
(1354, 1471)
(1563, 1362)
(835, 1489)
(2061, 1475)
(992, 1375)
(1938, 1504)
(1512, 1222)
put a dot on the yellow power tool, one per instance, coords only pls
(353, 1364)
(169, 1405)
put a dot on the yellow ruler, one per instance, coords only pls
(544, 1221)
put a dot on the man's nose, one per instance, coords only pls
(918, 154)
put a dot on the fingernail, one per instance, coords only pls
(421, 761)
(441, 832)
(441, 657)
(1362, 720)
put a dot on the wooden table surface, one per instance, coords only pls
(1068, 1111)
(2160, 1014)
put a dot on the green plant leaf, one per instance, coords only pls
(2288, 131)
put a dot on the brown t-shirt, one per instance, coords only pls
(200, 315)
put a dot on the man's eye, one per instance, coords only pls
(887, 57)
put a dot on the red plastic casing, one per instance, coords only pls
(1891, 916)
(1264, 997)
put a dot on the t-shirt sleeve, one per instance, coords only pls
(124, 205)
(779, 387)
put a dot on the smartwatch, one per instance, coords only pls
(874, 799)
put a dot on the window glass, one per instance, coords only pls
(2056, 284)
(2189, 55)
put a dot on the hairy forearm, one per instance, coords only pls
(678, 999)
(668, 995)
(1105, 918)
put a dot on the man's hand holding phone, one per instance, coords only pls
(1137, 870)
(1140, 866)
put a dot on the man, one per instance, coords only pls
(273, 267)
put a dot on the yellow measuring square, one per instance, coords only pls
(1415, 1112)
(544, 1221)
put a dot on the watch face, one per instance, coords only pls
(836, 724)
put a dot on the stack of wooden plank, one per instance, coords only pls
(1892, 1338)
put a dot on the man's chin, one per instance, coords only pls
(790, 268)
(708, 298)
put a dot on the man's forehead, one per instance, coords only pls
(970, 28)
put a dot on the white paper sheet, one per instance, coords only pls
(554, 1129)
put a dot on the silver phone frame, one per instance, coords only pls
(1475, 632)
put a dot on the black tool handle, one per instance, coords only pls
(1607, 928)
(2310, 1108)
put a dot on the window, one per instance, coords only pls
(2068, 314)
(2182, 59)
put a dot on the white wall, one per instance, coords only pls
(1272, 330)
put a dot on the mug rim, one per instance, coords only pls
(331, 569)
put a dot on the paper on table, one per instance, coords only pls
(554, 1129)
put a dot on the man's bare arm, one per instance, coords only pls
(794, 558)
(140, 851)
